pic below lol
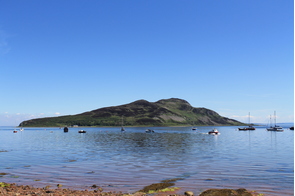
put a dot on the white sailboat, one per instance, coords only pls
(275, 128)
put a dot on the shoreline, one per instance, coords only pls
(10, 189)
(257, 125)
(133, 126)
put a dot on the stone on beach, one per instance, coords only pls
(226, 192)
(188, 193)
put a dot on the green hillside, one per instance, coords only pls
(165, 112)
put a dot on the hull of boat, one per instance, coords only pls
(247, 129)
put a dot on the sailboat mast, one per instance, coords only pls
(275, 117)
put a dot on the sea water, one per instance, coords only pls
(127, 161)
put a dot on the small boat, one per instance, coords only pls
(21, 129)
(275, 128)
(149, 131)
(81, 131)
(14, 131)
(249, 128)
(122, 127)
(214, 132)
(193, 127)
(291, 128)
(66, 129)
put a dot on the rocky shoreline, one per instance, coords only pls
(94, 190)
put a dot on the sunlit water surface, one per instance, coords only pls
(257, 160)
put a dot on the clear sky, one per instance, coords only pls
(68, 57)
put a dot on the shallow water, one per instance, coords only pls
(257, 160)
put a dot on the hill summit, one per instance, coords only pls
(165, 112)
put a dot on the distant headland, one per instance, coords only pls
(165, 112)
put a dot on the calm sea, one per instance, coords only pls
(257, 160)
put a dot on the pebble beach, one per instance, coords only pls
(94, 190)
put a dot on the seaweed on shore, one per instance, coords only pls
(161, 187)
(3, 184)
(226, 192)
(157, 186)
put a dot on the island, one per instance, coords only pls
(165, 112)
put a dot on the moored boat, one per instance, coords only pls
(275, 128)
(81, 131)
(249, 128)
(122, 127)
(149, 131)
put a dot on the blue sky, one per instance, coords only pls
(68, 57)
